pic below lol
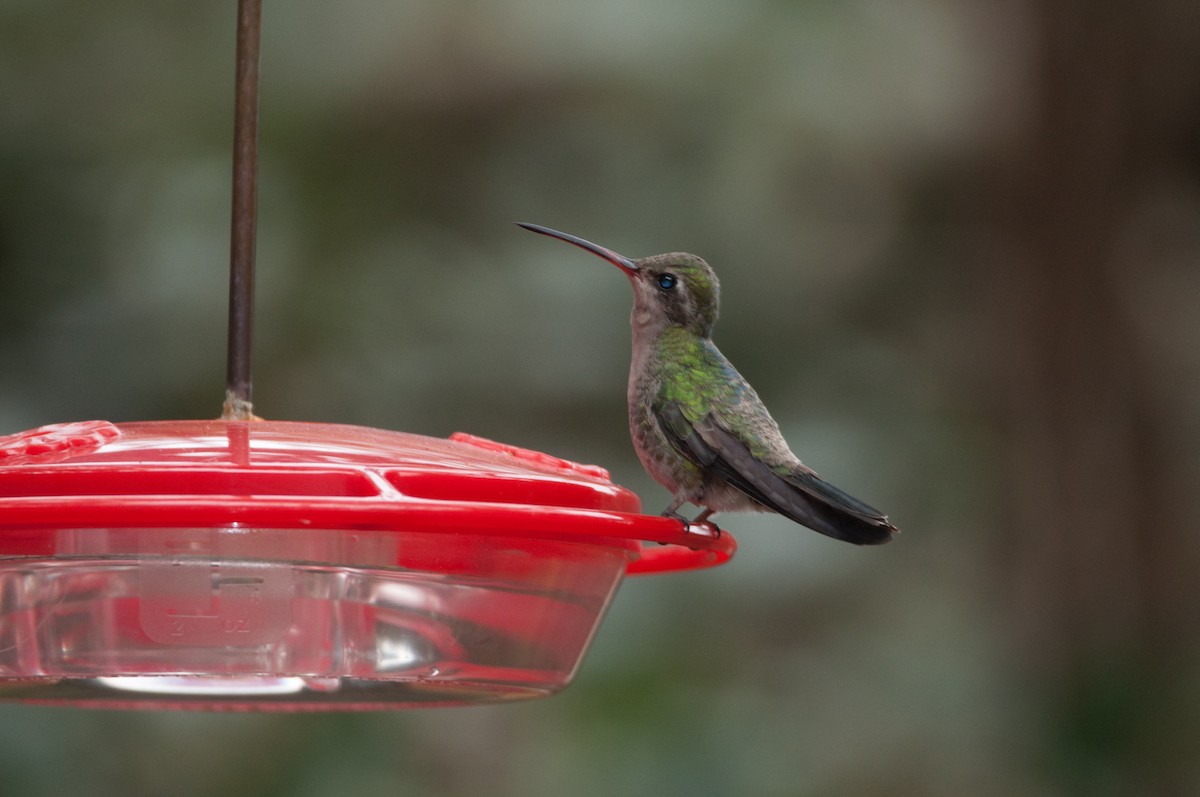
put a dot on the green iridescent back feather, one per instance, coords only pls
(700, 380)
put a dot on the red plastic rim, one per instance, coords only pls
(273, 474)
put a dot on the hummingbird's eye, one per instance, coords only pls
(666, 281)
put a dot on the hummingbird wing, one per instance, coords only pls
(793, 491)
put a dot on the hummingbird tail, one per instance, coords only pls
(819, 505)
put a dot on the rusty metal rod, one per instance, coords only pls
(238, 392)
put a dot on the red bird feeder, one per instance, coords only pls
(274, 565)
(249, 564)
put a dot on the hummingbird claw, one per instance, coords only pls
(704, 528)
(683, 521)
(713, 530)
(701, 526)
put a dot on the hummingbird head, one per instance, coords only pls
(672, 289)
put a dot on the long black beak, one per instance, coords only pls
(620, 261)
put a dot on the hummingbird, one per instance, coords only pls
(698, 427)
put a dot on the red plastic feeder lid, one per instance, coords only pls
(300, 566)
(274, 474)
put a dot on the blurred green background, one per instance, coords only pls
(958, 244)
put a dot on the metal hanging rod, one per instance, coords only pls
(238, 388)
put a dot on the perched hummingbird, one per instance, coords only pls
(698, 427)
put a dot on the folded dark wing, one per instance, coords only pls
(797, 493)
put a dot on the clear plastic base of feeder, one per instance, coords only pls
(219, 619)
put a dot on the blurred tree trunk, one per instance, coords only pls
(1103, 563)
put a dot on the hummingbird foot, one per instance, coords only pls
(704, 528)
(673, 515)
(700, 525)
(703, 520)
